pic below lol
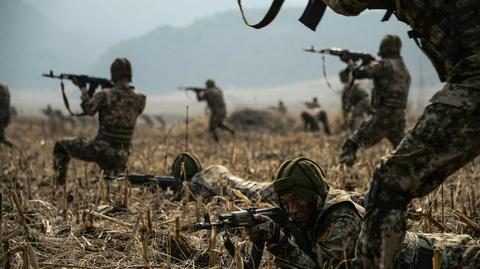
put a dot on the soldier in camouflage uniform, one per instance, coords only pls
(313, 115)
(118, 109)
(214, 98)
(4, 114)
(389, 100)
(326, 223)
(355, 101)
(446, 136)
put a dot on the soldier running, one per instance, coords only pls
(389, 100)
(214, 98)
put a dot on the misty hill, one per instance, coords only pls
(223, 48)
(32, 44)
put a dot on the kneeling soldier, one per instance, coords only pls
(118, 109)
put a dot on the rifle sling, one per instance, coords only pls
(267, 19)
(313, 13)
(67, 104)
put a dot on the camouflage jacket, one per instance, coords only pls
(214, 98)
(391, 81)
(208, 183)
(448, 33)
(352, 95)
(118, 109)
(328, 242)
(4, 103)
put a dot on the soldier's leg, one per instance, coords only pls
(444, 139)
(368, 134)
(323, 118)
(212, 128)
(66, 148)
(396, 132)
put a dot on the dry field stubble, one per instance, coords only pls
(95, 224)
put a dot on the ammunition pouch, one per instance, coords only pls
(119, 137)
(391, 99)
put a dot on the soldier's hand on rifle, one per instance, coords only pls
(78, 83)
(268, 228)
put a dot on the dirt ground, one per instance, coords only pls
(96, 224)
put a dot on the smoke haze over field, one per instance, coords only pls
(181, 43)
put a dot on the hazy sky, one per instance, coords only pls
(114, 17)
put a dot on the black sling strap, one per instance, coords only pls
(67, 104)
(267, 19)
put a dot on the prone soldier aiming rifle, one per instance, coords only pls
(81, 81)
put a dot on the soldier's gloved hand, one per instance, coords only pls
(80, 84)
(268, 228)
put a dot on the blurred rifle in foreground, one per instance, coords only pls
(345, 56)
(81, 81)
(151, 181)
(244, 219)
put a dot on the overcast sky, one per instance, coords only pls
(122, 19)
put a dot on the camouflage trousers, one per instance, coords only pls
(4, 121)
(444, 139)
(383, 123)
(217, 120)
(357, 115)
(108, 158)
(455, 250)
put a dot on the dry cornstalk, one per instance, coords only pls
(113, 220)
(25, 257)
(436, 258)
(149, 221)
(32, 257)
(177, 228)
(125, 190)
(169, 249)
(21, 216)
(1, 215)
(242, 196)
(143, 238)
(238, 259)
(466, 220)
(213, 258)
(434, 222)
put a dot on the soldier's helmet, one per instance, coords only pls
(210, 83)
(391, 44)
(185, 166)
(120, 68)
(304, 177)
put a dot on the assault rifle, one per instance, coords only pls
(345, 56)
(193, 89)
(241, 219)
(163, 182)
(81, 80)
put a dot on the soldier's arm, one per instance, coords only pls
(349, 7)
(338, 238)
(92, 105)
(289, 255)
(200, 95)
(142, 103)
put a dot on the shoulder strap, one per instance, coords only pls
(267, 19)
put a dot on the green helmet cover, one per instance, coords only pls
(390, 44)
(185, 166)
(302, 176)
(210, 83)
(121, 67)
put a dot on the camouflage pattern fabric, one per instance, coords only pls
(214, 98)
(118, 109)
(326, 243)
(456, 250)
(4, 113)
(389, 99)
(355, 104)
(446, 136)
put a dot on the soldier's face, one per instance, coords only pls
(296, 207)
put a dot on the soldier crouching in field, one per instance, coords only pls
(4, 114)
(214, 98)
(118, 109)
(325, 225)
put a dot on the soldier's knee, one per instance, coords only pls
(385, 193)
